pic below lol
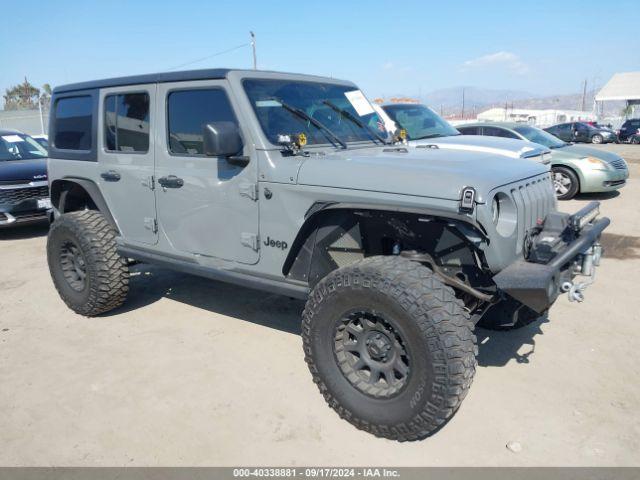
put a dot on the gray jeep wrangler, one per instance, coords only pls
(282, 182)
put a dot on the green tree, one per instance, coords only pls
(22, 96)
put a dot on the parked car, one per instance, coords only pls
(630, 131)
(24, 190)
(582, 132)
(575, 168)
(274, 181)
(424, 127)
(42, 140)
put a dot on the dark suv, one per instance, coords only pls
(582, 132)
(630, 130)
(24, 190)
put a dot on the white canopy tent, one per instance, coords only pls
(622, 86)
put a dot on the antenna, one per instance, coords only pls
(253, 46)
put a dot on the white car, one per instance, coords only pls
(425, 128)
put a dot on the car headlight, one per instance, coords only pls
(503, 214)
(595, 162)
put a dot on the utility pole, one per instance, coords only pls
(253, 46)
(41, 116)
(584, 94)
(463, 103)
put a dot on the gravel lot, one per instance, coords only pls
(193, 372)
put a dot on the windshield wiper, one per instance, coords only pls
(348, 115)
(431, 135)
(302, 114)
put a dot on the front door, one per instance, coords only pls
(206, 205)
(126, 159)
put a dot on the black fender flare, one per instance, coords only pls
(59, 194)
(304, 240)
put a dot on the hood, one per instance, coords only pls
(580, 151)
(508, 147)
(426, 172)
(23, 171)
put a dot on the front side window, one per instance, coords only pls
(329, 104)
(536, 135)
(189, 111)
(498, 132)
(419, 121)
(126, 122)
(468, 130)
(73, 123)
(20, 147)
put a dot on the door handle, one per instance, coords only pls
(111, 176)
(171, 181)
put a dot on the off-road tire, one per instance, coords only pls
(575, 182)
(506, 315)
(439, 340)
(107, 275)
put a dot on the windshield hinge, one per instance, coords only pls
(249, 190)
(151, 224)
(250, 240)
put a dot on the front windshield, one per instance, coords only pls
(17, 146)
(419, 121)
(316, 100)
(539, 136)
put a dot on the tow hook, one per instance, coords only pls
(590, 260)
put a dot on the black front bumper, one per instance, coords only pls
(22, 212)
(537, 285)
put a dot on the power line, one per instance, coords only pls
(209, 56)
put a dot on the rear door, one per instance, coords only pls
(126, 159)
(210, 206)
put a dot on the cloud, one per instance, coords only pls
(507, 60)
(388, 66)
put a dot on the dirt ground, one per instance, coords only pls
(194, 372)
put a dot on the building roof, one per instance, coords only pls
(622, 86)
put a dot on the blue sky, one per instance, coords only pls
(386, 47)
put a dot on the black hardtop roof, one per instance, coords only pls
(163, 77)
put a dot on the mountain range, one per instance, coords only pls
(448, 101)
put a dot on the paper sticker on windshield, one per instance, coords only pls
(268, 103)
(359, 102)
(12, 138)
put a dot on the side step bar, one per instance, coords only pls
(242, 279)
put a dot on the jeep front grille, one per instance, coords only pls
(534, 198)
(16, 195)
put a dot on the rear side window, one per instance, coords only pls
(73, 118)
(126, 122)
(188, 111)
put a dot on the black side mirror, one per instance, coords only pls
(222, 139)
